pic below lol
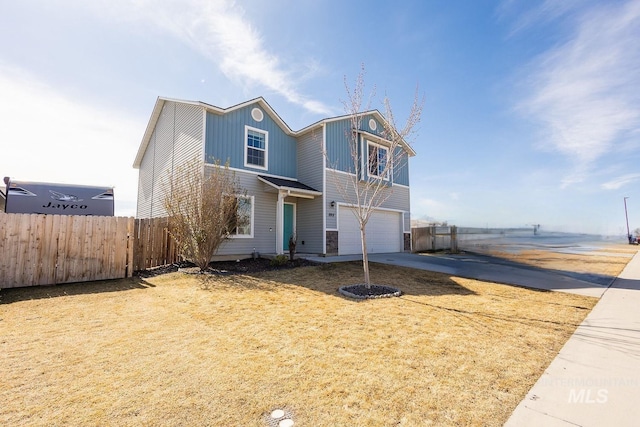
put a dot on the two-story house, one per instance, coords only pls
(290, 181)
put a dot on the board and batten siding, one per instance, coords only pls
(176, 139)
(225, 141)
(338, 134)
(264, 219)
(339, 157)
(309, 212)
(401, 168)
(398, 201)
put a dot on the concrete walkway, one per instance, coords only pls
(595, 379)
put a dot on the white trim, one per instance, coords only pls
(248, 128)
(260, 101)
(204, 137)
(378, 146)
(218, 110)
(324, 189)
(352, 206)
(212, 165)
(380, 140)
(257, 114)
(401, 185)
(339, 171)
(293, 192)
(279, 223)
(331, 229)
(253, 209)
(363, 163)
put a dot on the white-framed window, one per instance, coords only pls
(256, 148)
(377, 157)
(244, 218)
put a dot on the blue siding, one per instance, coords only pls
(339, 153)
(225, 141)
(401, 169)
(365, 126)
(338, 138)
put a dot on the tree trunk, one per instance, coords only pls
(365, 257)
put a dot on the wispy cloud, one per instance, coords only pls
(52, 138)
(219, 30)
(585, 93)
(621, 181)
(541, 12)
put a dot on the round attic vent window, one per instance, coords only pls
(257, 114)
(372, 124)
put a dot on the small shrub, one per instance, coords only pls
(279, 261)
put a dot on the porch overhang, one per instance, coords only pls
(289, 187)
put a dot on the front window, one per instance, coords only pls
(243, 222)
(377, 160)
(256, 148)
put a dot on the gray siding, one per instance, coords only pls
(264, 219)
(177, 138)
(309, 226)
(399, 199)
(225, 140)
(145, 182)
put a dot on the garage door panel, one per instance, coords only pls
(383, 232)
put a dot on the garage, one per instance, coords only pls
(384, 232)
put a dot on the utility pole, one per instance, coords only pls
(627, 218)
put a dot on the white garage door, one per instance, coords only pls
(383, 232)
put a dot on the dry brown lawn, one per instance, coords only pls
(609, 260)
(181, 350)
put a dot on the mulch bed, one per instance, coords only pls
(361, 291)
(242, 266)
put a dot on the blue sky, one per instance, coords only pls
(531, 115)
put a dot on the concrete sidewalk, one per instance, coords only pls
(595, 379)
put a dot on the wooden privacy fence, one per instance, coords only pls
(434, 238)
(153, 246)
(53, 249)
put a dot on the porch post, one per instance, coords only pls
(279, 223)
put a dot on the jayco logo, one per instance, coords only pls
(64, 206)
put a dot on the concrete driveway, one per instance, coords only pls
(491, 269)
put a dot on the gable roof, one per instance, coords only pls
(374, 113)
(286, 184)
(160, 101)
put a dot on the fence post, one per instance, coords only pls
(454, 239)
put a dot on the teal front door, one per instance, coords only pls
(287, 227)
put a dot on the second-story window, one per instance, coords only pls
(256, 148)
(377, 160)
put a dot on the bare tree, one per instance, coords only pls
(204, 208)
(369, 183)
